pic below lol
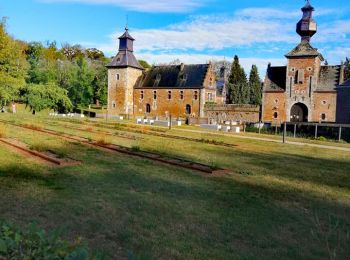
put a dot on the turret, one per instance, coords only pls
(307, 26)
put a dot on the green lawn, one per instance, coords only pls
(280, 201)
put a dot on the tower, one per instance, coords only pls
(123, 73)
(303, 70)
(307, 26)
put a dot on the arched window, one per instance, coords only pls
(113, 105)
(117, 77)
(323, 117)
(169, 94)
(141, 95)
(181, 95)
(148, 108)
(155, 95)
(275, 115)
(188, 109)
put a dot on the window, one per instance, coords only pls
(188, 109)
(181, 95)
(310, 87)
(113, 105)
(323, 116)
(276, 101)
(300, 76)
(155, 95)
(148, 108)
(290, 87)
(142, 94)
(210, 97)
(195, 96)
(117, 77)
(324, 102)
(275, 115)
(169, 94)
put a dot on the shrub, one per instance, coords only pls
(34, 243)
(135, 148)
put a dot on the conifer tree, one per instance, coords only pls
(255, 89)
(238, 91)
(347, 69)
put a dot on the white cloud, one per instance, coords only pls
(259, 30)
(151, 6)
(205, 58)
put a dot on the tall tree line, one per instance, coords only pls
(45, 76)
(242, 90)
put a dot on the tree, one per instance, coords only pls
(144, 64)
(42, 96)
(255, 87)
(13, 66)
(94, 54)
(80, 89)
(238, 89)
(347, 69)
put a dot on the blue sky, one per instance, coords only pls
(194, 31)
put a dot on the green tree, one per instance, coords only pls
(43, 96)
(80, 89)
(238, 88)
(13, 66)
(347, 69)
(255, 88)
(144, 64)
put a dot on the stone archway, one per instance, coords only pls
(299, 113)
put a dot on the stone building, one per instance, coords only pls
(180, 90)
(343, 103)
(304, 90)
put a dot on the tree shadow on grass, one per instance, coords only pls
(328, 172)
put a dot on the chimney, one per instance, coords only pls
(341, 73)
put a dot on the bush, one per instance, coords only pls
(35, 243)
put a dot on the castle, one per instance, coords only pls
(180, 91)
(304, 90)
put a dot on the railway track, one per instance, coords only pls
(124, 150)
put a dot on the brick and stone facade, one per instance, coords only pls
(304, 90)
(179, 90)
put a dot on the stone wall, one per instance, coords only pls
(222, 113)
(324, 103)
(343, 105)
(274, 102)
(121, 90)
(162, 106)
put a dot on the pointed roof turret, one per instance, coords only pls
(125, 57)
(307, 26)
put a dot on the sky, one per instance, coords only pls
(193, 31)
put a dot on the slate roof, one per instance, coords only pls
(125, 59)
(175, 76)
(275, 79)
(345, 84)
(329, 78)
(127, 35)
(304, 49)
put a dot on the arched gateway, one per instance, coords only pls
(299, 113)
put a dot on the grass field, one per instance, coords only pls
(279, 201)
